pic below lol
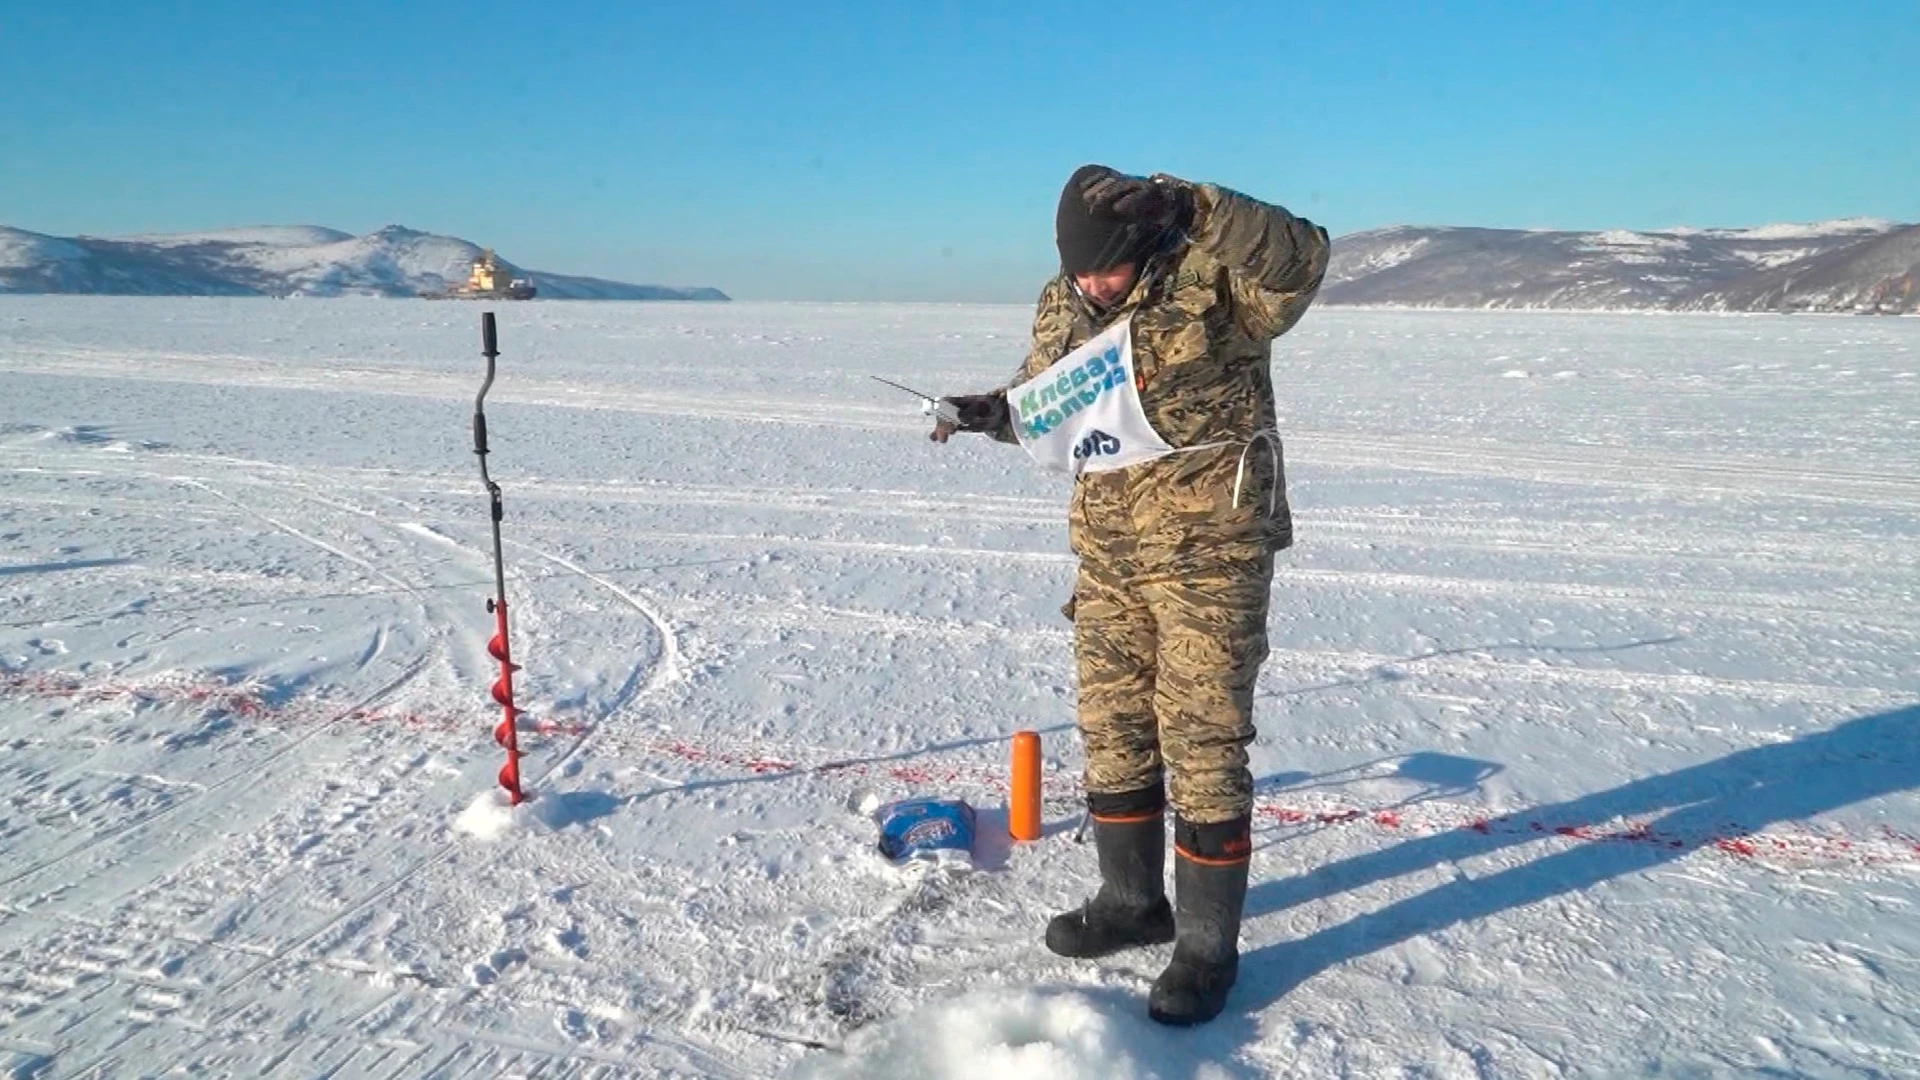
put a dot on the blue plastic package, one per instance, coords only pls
(912, 826)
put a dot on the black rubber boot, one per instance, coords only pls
(1210, 886)
(1131, 907)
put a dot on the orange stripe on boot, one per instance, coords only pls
(1205, 861)
(1127, 819)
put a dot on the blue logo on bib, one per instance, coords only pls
(1096, 444)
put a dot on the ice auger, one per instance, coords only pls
(506, 732)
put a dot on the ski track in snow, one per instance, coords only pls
(1586, 739)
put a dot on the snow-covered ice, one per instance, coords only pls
(1589, 742)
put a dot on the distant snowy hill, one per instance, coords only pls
(1880, 274)
(299, 260)
(1851, 265)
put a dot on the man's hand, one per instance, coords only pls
(1159, 202)
(974, 412)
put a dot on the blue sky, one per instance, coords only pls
(914, 151)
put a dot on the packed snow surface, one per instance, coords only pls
(1588, 743)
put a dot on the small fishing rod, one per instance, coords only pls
(932, 406)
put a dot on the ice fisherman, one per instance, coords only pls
(1149, 379)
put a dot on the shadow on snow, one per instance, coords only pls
(1739, 794)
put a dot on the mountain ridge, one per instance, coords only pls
(278, 260)
(1850, 265)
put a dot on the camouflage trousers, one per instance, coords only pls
(1167, 665)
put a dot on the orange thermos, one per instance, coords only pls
(1023, 805)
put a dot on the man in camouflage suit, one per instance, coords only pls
(1170, 604)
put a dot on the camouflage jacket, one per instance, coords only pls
(1205, 313)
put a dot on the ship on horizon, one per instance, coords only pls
(487, 279)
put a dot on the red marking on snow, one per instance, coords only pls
(245, 701)
(1793, 842)
(1787, 842)
(684, 751)
(926, 776)
(215, 697)
(910, 774)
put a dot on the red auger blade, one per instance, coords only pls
(510, 779)
(503, 732)
(497, 648)
(502, 692)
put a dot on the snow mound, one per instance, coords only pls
(1030, 1035)
(490, 816)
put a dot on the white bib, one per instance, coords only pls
(1083, 414)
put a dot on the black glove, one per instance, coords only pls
(1159, 202)
(977, 412)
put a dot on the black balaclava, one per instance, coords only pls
(1088, 243)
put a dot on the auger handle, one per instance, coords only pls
(489, 348)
